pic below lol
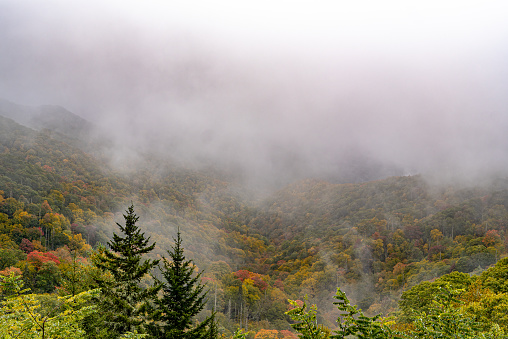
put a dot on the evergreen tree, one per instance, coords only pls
(183, 297)
(213, 330)
(121, 294)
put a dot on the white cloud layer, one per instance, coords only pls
(298, 87)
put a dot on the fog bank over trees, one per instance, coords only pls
(286, 91)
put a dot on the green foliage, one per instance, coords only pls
(48, 277)
(75, 277)
(9, 257)
(496, 278)
(445, 319)
(352, 321)
(305, 321)
(22, 315)
(420, 298)
(239, 334)
(121, 293)
(182, 299)
(457, 305)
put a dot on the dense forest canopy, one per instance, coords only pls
(384, 243)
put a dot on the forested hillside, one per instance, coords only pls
(377, 241)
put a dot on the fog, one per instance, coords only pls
(283, 90)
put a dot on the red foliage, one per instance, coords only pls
(26, 246)
(45, 208)
(413, 232)
(255, 277)
(242, 274)
(259, 283)
(38, 258)
(279, 284)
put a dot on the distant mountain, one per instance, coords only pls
(54, 118)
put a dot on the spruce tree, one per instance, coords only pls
(121, 294)
(183, 297)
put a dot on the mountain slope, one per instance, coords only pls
(374, 239)
(35, 167)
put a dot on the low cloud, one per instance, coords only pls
(346, 100)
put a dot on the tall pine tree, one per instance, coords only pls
(183, 297)
(121, 293)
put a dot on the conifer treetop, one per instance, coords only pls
(183, 297)
(122, 296)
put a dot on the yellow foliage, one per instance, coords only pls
(6, 242)
(77, 243)
(436, 235)
(21, 217)
(38, 246)
(72, 206)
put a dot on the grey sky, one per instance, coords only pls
(275, 85)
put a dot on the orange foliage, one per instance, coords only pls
(9, 270)
(491, 238)
(267, 334)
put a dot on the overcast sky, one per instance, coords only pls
(303, 86)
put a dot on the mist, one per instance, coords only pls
(277, 91)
